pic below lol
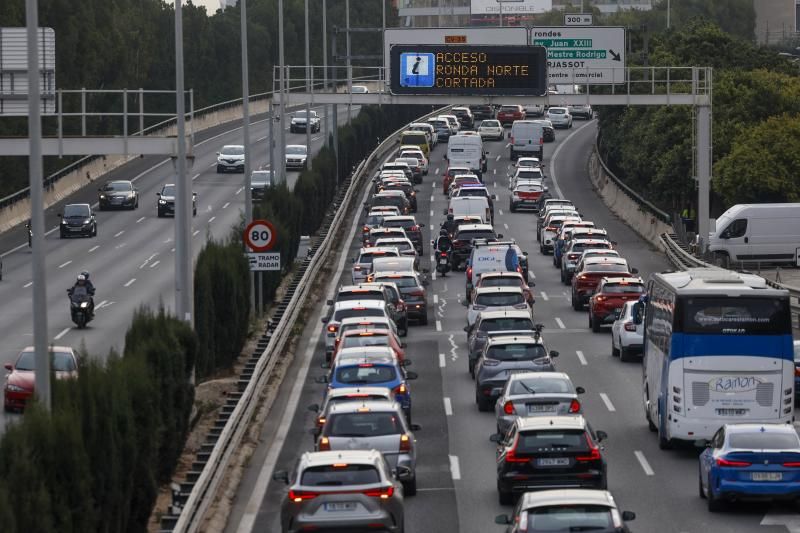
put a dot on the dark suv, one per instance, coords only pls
(166, 201)
(77, 219)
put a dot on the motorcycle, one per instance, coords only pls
(442, 262)
(80, 304)
(30, 235)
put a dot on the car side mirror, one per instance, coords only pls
(627, 516)
(601, 436)
(426, 270)
(467, 329)
(59, 215)
(352, 260)
(326, 365)
(403, 345)
(217, 153)
(421, 225)
(553, 353)
(329, 302)
(8, 366)
(324, 320)
(502, 519)
(494, 197)
(444, 212)
(638, 307)
(499, 235)
(525, 254)
(402, 472)
(580, 390)
(158, 194)
(411, 375)
(314, 408)
(634, 271)
(281, 475)
(322, 379)
(415, 427)
(509, 135)
(496, 437)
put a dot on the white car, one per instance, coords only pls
(495, 299)
(453, 122)
(532, 162)
(230, 158)
(296, 156)
(626, 336)
(415, 152)
(300, 122)
(533, 110)
(559, 116)
(359, 89)
(491, 129)
(581, 110)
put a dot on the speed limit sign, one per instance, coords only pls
(260, 236)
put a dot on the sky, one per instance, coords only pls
(210, 5)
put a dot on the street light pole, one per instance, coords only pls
(183, 193)
(327, 116)
(282, 111)
(308, 90)
(248, 200)
(41, 351)
(349, 64)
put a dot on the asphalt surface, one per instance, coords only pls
(131, 260)
(456, 460)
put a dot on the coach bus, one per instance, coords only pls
(717, 350)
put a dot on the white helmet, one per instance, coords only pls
(81, 277)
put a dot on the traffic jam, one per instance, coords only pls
(550, 460)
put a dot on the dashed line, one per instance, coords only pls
(93, 248)
(27, 285)
(643, 461)
(435, 299)
(442, 361)
(505, 225)
(448, 407)
(130, 282)
(314, 139)
(436, 171)
(433, 275)
(117, 234)
(544, 296)
(62, 265)
(195, 232)
(560, 323)
(172, 250)
(494, 171)
(497, 158)
(240, 190)
(226, 205)
(455, 468)
(63, 332)
(101, 304)
(607, 401)
(508, 144)
(155, 264)
(438, 325)
(261, 139)
(494, 184)
(501, 212)
(432, 198)
(581, 357)
(140, 219)
(212, 219)
(195, 176)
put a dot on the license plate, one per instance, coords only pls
(732, 412)
(443, 261)
(340, 506)
(541, 408)
(556, 461)
(767, 476)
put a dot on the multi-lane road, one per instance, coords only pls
(456, 460)
(131, 260)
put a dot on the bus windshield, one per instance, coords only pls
(735, 316)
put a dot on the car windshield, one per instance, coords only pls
(401, 246)
(77, 210)
(373, 220)
(118, 186)
(527, 173)
(232, 150)
(499, 299)
(338, 475)
(168, 190)
(534, 441)
(539, 386)
(501, 281)
(359, 295)
(507, 324)
(261, 176)
(765, 440)
(296, 150)
(622, 288)
(364, 425)
(370, 339)
(366, 373)
(566, 518)
(557, 111)
(415, 138)
(468, 235)
(61, 362)
(341, 314)
(516, 352)
(402, 223)
(402, 282)
(302, 114)
(490, 124)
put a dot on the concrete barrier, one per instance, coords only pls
(648, 226)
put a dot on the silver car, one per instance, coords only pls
(536, 394)
(559, 116)
(230, 158)
(348, 309)
(296, 155)
(363, 263)
(626, 334)
(349, 490)
(342, 395)
(374, 425)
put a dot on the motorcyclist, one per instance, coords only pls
(443, 242)
(449, 224)
(83, 288)
(89, 283)
(30, 231)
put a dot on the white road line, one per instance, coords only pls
(555, 155)
(455, 469)
(448, 407)
(261, 138)
(226, 205)
(130, 282)
(212, 165)
(435, 299)
(432, 198)
(438, 325)
(500, 211)
(93, 248)
(508, 144)
(63, 332)
(494, 171)
(494, 184)
(581, 357)
(314, 139)
(210, 220)
(101, 304)
(140, 219)
(436, 171)
(433, 275)
(155, 264)
(195, 232)
(607, 401)
(195, 176)
(497, 158)
(643, 461)
(240, 190)
(27, 284)
(505, 225)
(431, 213)
(117, 234)
(172, 250)
(62, 265)
(560, 323)
(442, 362)
(544, 295)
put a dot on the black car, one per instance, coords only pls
(548, 452)
(260, 181)
(166, 201)
(465, 117)
(118, 194)
(77, 219)
(480, 112)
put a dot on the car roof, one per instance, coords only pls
(501, 275)
(369, 356)
(514, 339)
(357, 288)
(312, 459)
(495, 290)
(357, 407)
(378, 249)
(367, 304)
(468, 227)
(625, 281)
(605, 260)
(752, 428)
(296, 146)
(377, 320)
(53, 348)
(400, 217)
(398, 240)
(346, 391)
(233, 146)
(396, 274)
(561, 497)
(540, 375)
(515, 313)
(551, 422)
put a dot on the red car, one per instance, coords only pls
(509, 113)
(612, 293)
(21, 376)
(449, 174)
(585, 282)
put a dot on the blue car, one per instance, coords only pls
(750, 461)
(797, 372)
(373, 366)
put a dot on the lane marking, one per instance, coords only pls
(226, 205)
(155, 264)
(140, 219)
(130, 282)
(101, 304)
(431, 213)
(195, 176)
(240, 190)
(212, 165)
(505, 225)
(544, 296)
(555, 155)
(448, 407)
(432, 198)
(607, 401)
(442, 361)
(435, 299)
(643, 461)
(210, 220)
(261, 138)
(581, 357)
(497, 158)
(433, 275)
(195, 232)
(93, 248)
(27, 285)
(438, 325)
(117, 234)
(455, 468)
(62, 265)
(63, 332)
(494, 184)
(436, 171)
(560, 323)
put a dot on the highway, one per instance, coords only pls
(456, 460)
(131, 260)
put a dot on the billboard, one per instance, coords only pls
(515, 12)
(468, 70)
(14, 71)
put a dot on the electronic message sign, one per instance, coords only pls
(468, 70)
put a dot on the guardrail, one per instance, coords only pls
(679, 256)
(205, 487)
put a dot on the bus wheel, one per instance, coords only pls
(663, 443)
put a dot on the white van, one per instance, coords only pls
(527, 139)
(768, 233)
(490, 257)
(470, 206)
(467, 151)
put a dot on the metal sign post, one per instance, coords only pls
(248, 199)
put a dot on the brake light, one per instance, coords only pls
(721, 461)
(324, 444)
(365, 365)
(365, 229)
(630, 326)
(573, 256)
(321, 421)
(469, 273)
(600, 298)
(400, 389)
(583, 276)
(793, 464)
(414, 228)
(550, 228)
(384, 493)
(508, 408)
(594, 452)
(405, 443)
(511, 455)
(357, 268)
(574, 406)
(332, 329)
(298, 496)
